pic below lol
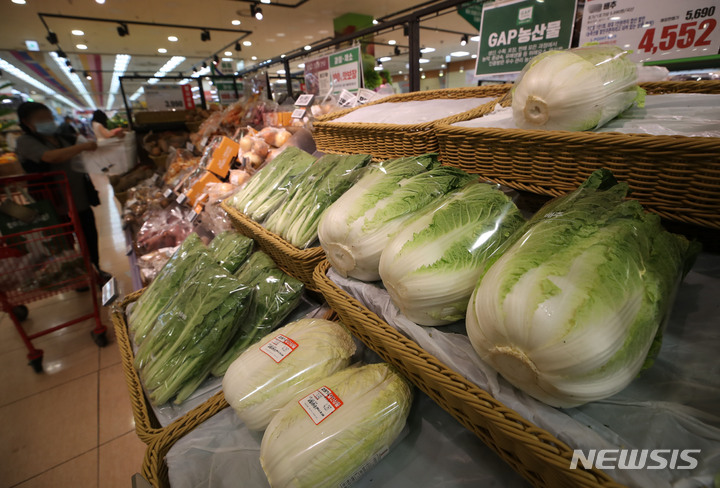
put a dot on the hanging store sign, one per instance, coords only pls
(654, 30)
(170, 97)
(341, 70)
(514, 32)
(227, 93)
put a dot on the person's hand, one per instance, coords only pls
(90, 146)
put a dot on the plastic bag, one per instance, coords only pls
(231, 250)
(336, 429)
(150, 264)
(269, 374)
(431, 266)
(113, 156)
(312, 192)
(163, 228)
(191, 332)
(276, 295)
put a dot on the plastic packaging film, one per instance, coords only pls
(411, 112)
(328, 432)
(577, 89)
(274, 370)
(191, 332)
(457, 237)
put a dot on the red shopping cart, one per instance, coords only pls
(42, 253)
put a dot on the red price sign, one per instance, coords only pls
(345, 76)
(682, 36)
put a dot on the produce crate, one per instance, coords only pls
(533, 452)
(299, 263)
(147, 427)
(154, 467)
(388, 141)
(677, 177)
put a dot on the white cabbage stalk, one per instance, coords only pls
(354, 242)
(569, 313)
(341, 228)
(256, 386)
(578, 89)
(296, 452)
(430, 268)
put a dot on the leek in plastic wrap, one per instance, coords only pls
(269, 187)
(578, 89)
(331, 433)
(191, 333)
(231, 249)
(276, 294)
(430, 268)
(358, 226)
(268, 375)
(312, 192)
(164, 287)
(575, 307)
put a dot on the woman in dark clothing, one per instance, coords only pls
(40, 149)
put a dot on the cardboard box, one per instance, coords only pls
(198, 188)
(223, 156)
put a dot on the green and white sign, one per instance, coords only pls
(226, 92)
(512, 33)
(341, 70)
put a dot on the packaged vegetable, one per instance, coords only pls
(231, 250)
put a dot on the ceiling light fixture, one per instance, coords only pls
(254, 58)
(100, 1)
(459, 54)
(424, 61)
(82, 47)
(137, 94)
(19, 2)
(172, 38)
(216, 60)
(205, 35)
(265, 1)
(228, 53)
(376, 21)
(256, 12)
(123, 30)
(236, 22)
(474, 56)
(475, 38)
(426, 50)
(52, 38)
(67, 63)
(282, 56)
(392, 42)
(464, 40)
(162, 50)
(121, 64)
(74, 79)
(17, 73)
(308, 47)
(385, 59)
(247, 43)
(77, 32)
(280, 71)
(301, 65)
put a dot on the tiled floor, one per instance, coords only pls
(71, 426)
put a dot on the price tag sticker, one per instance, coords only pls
(190, 146)
(167, 193)
(304, 100)
(320, 404)
(181, 198)
(364, 96)
(109, 292)
(298, 113)
(192, 216)
(279, 348)
(347, 99)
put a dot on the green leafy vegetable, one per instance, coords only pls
(432, 265)
(231, 249)
(266, 377)
(313, 192)
(353, 242)
(570, 311)
(297, 452)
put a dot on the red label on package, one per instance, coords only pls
(279, 348)
(320, 404)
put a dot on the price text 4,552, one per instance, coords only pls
(682, 36)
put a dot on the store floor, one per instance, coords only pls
(72, 425)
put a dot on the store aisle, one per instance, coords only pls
(71, 426)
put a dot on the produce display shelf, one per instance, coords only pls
(388, 141)
(533, 452)
(299, 263)
(676, 177)
(147, 427)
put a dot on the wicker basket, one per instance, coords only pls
(154, 468)
(676, 177)
(299, 263)
(387, 141)
(147, 427)
(533, 452)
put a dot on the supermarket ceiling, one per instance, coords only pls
(92, 46)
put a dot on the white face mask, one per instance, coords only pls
(46, 128)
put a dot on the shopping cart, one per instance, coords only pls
(42, 253)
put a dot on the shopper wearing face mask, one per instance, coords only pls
(41, 149)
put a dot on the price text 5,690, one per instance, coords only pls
(682, 36)
(700, 13)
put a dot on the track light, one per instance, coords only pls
(123, 30)
(194, 69)
(204, 65)
(205, 35)
(238, 46)
(397, 50)
(216, 60)
(464, 40)
(61, 53)
(87, 75)
(406, 30)
(52, 38)
(72, 70)
(68, 64)
(256, 12)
